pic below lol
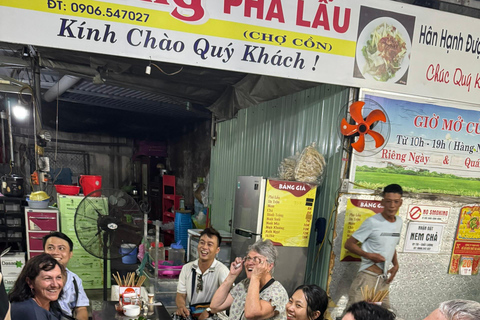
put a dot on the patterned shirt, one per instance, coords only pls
(275, 294)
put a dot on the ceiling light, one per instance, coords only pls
(20, 112)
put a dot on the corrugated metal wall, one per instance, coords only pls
(262, 136)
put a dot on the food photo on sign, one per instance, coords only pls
(383, 46)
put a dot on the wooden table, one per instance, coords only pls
(108, 312)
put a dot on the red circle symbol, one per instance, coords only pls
(415, 213)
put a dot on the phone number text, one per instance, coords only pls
(98, 10)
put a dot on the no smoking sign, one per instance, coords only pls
(415, 212)
(425, 213)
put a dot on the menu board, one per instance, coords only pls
(288, 212)
(357, 212)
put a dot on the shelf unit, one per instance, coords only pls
(170, 200)
(39, 223)
(12, 224)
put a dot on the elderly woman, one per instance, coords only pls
(258, 296)
(308, 302)
(37, 289)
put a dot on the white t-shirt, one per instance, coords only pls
(378, 235)
(212, 279)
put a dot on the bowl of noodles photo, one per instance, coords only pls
(383, 50)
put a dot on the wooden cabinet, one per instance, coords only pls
(38, 223)
(12, 224)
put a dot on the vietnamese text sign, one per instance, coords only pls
(421, 213)
(423, 237)
(469, 223)
(470, 252)
(321, 41)
(288, 212)
(357, 211)
(432, 147)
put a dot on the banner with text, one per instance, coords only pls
(433, 146)
(375, 44)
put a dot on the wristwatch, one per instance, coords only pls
(210, 313)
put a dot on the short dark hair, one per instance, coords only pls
(317, 300)
(212, 232)
(43, 262)
(368, 311)
(393, 188)
(60, 235)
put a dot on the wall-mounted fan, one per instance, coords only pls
(367, 124)
(105, 219)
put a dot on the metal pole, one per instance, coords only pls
(9, 111)
(3, 115)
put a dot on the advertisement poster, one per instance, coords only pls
(466, 249)
(430, 147)
(288, 212)
(357, 211)
(423, 237)
(465, 258)
(421, 213)
(434, 53)
(469, 224)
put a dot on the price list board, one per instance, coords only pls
(288, 212)
(356, 213)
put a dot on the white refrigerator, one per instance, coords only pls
(281, 211)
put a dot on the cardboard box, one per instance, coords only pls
(9, 282)
(12, 264)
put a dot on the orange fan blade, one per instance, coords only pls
(347, 129)
(379, 140)
(356, 111)
(375, 115)
(359, 145)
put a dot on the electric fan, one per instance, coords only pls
(105, 219)
(364, 116)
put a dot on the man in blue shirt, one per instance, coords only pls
(379, 236)
(74, 301)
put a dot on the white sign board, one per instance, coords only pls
(422, 213)
(435, 54)
(423, 237)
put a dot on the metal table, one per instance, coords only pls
(108, 312)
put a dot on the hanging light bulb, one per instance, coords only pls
(20, 112)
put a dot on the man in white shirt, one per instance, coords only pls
(199, 279)
(379, 236)
(74, 301)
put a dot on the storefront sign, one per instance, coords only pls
(323, 41)
(422, 213)
(423, 237)
(432, 146)
(357, 211)
(288, 212)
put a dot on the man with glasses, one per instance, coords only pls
(379, 236)
(199, 279)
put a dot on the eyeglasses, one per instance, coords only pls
(199, 283)
(255, 259)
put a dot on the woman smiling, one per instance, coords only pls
(308, 302)
(37, 288)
